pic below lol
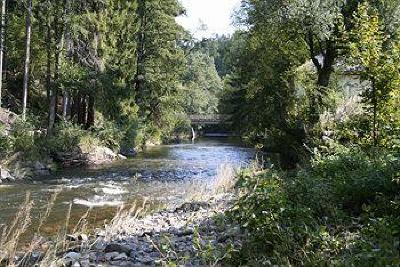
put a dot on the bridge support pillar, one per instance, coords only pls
(193, 134)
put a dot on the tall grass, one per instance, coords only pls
(223, 182)
(123, 219)
(11, 234)
(45, 252)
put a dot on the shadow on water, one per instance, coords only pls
(159, 175)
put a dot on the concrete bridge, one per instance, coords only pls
(210, 119)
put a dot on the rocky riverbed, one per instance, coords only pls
(194, 234)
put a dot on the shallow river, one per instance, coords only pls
(162, 176)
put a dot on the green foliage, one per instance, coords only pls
(379, 57)
(5, 142)
(108, 133)
(23, 136)
(66, 138)
(201, 85)
(342, 210)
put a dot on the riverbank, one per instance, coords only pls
(166, 178)
(193, 234)
(20, 167)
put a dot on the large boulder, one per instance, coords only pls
(7, 118)
(5, 175)
(71, 159)
(128, 152)
(101, 155)
(95, 156)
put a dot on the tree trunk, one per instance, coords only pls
(82, 114)
(59, 29)
(65, 105)
(2, 40)
(324, 72)
(27, 57)
(54, 92)
(75, 107)
(48, 58)
(52, 111)
(140, 54)
(375, 113)
(90, 112)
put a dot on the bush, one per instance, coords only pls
(108, 134)
(342, 210)
(23, 136)
(356, 177)
(66, 138)
(5, 142)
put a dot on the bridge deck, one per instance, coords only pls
(209, 118)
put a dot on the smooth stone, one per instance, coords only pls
(85, 263)
(115, 247)
(73, 256)
(111, 255)
(83, 237)
(39, 166)
(122, 157)
(4, 174)
(121, 257)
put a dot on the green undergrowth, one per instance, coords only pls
(342, 210)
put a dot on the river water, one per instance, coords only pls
(160, 176)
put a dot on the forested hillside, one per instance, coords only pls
(122, 71)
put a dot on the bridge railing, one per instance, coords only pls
(209, 118)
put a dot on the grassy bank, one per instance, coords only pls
(343, 209)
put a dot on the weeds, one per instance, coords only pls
(342, 210)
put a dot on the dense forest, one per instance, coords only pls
(313, 86)
(124, 71)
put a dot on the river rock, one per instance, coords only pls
(101, 155)
(85, 263)
(7, 118)
(115, 247)
(121, 257)
(122, 157)
(73, 256)
(128, 152)
(40, 169)
(111, 256)
(5, 174)
(39, 166)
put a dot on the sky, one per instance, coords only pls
(215, 14)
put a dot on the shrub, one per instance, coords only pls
(23, 136)
(343, 210)
(5, 142)
(66, 138)
(108, 134)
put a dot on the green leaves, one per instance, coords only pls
(378, 56)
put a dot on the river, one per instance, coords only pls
(160, 176)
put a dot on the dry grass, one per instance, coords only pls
(223, 182)
(123, 219)
(11, 236)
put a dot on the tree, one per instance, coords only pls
(159, 58)
(2, 37)
(378, 58)
(202, 85)
(27, 56)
